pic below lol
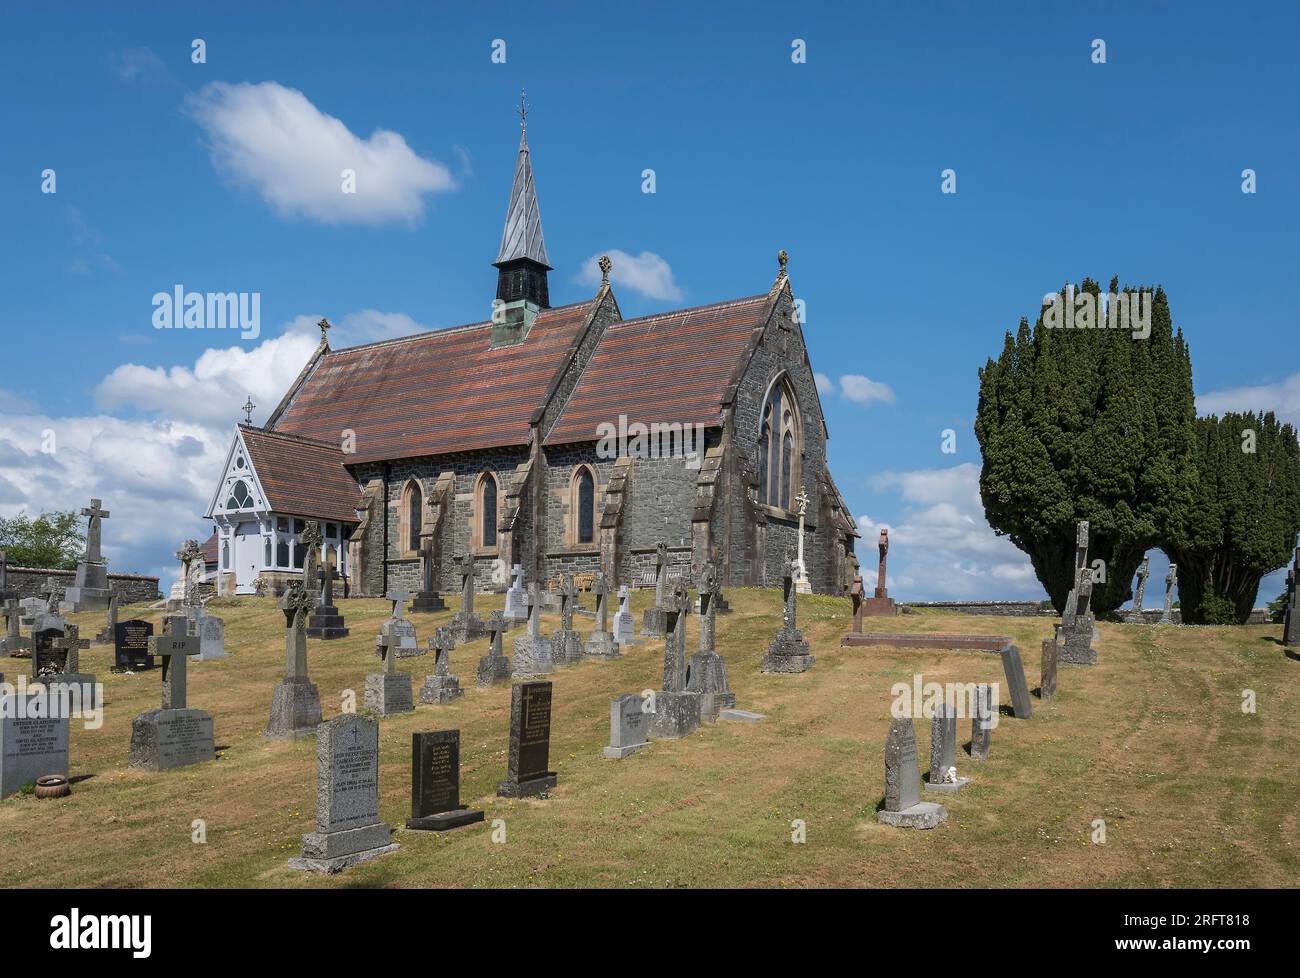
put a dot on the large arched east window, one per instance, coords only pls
(486, 530)
(583, 506)
(412, 515)
(779, 447)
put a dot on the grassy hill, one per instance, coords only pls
(1153, 740)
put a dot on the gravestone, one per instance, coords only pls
(676, 709)
(190, 555)
(1291, 616)
(706, 673)
(566, 644)
(1047, 685)
(211, 633)
(600, 643)
(532, 651)
(1171, 583)
(110, 622)
(903, 806)
(1081, 570)
(789, 651)
(624, 623)
(388, 692)
(428, 599)
(466, 626)
(435, 783)
(442, 687)
(131, 645)
(33, 742)
(530, 741)
(90, 592)
(175, 735)
(943, 752)
(56, 656)
(1077, 637)
(14, 641)
(493, 668)
(516, 600)
(654, 620)
(295, 705)
(6, 592)
(348, 829)
(627, 727)
(880, 603)
(1014, 670)
(325, 621)
(982, 722)
(1144, 571)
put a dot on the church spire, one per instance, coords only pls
(522, 261)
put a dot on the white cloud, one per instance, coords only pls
(1282, 398)
(646, 273)
(274, 140)
(864, 390)
(942, 548)
(362, 326)
(140, 66)
(825, 385)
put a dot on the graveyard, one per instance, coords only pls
(1153, 740)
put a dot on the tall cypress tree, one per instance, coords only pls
(1244, 518)
(1088, 423)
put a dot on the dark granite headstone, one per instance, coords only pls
(131, 645)
(435, 783)
(530, 741)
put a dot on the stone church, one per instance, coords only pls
(560, 438)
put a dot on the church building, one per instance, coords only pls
(560, 438)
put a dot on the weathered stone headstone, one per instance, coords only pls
(325, 621)
(903, 806)
(532, 651)
(493, 668)
(1047, 684)
(1081, 570)
(516, 599)
(131, 645)
(624, 623)
(706, 673)
(1014, 670)
(14, 640)
(1077, 637)
(435, 783)
(388, 692)
(654, 621)
(90, 592)
(627, 727)
(943, 752)
(211, 633)
(110, 622)
(600, 643)
(982, 722)
(175, 735)
(530, 741)
(1291, 616)
(676, 709)
(428, 599)
(441, 687)
(295, 706)
(348, 829)
(789, 650)
(1171, 584)
(33, 739)
(566, 644)
(466, 626)
(1144, 571)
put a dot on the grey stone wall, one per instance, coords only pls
(28, 581)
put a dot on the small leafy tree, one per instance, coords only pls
(51, 540)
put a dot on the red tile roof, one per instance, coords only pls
(209, 549)
(302, 477)
(433, 393)
(668, 368)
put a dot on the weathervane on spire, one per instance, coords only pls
(523, 111)
(248, 410)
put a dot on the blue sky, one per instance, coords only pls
(1064, 168)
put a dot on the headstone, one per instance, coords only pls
(435, 783)
(1047, 685)
(110, 622)
(325, 621)
(1171, 584)
(789, 650)
(428, 599)
(881, 603)
(627, 727)
(295, 706)
(33, 743)
(1014, 670)
(654, 621)
(566, 644)
(175, 735)
(131, 645)
(943, 752)
(211, 633)
(1291, 615)
(56, 657)
(441, 687)
(600, 643)
(530, 741)
(982, 722)
(532, 651)
(1077, 636)
(1144, 571)
(706, 673)
(493, 668)
(90, 592)
(466, 626)
(1081, 570)
(677, 709)
(13, 641)
(903, 806)
(388, 692)
(624, 623)
(516, 600)
(348, 829)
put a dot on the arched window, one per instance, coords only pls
(266, 552)
(485, 530)
(412, 519)
(240, 497)
(779, 447)
(225, 555)
(583, 506)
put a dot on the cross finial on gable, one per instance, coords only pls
(248, 410)
(783, 259)
(325, 326)
(605, 265)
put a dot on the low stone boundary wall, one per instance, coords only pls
(1011, 608)
(28, 582)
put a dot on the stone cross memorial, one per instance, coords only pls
(566, 644)
(532, 651)
(1171, 584)
(677, 709)
(707, 672)
(789, 650)
(466, 626)
(493, 668)
(90, 592)
(530, 742)
(442, 687)
(325, 621)
(600, 643)
(1144, 571)
(1079, 635)
(435, 783)
(903, 807)
(428, 599)
(654, 621)
(388, 692)
(175, 735)
(348, 829)
(516, 602)
(624, 623)
(295, 707)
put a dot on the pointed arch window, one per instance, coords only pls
(240, 497)
(411, 516)
(780, 447)
(485, 509)
(582, 505)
